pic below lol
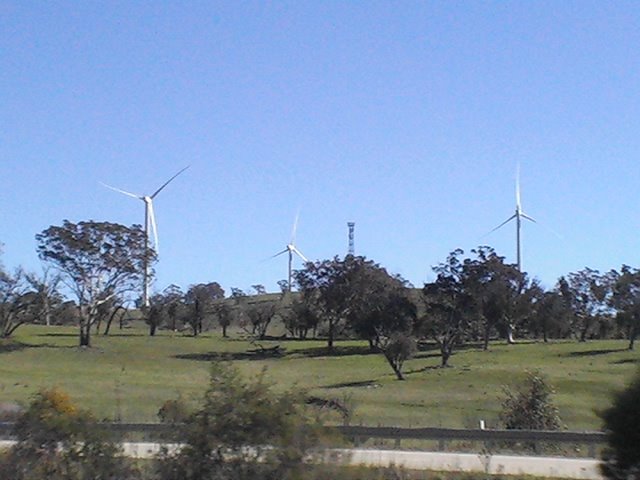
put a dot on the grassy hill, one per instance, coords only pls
(128, 375)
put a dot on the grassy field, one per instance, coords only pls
(128, 375)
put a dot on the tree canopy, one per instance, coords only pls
(97, 260)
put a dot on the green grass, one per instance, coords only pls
(129, 374)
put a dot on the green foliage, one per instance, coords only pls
(98, 261)
(397, 349)
(621, 458)
(242, 431)
(529, 407)
(174, 411)
(57, 441)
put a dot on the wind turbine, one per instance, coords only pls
(518, 215)
(149, 224)
(291, 249)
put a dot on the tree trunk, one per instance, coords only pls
(485, 345)
(510, 334)
(152, 329)
(330, 337)
(445, 353)
(632, 337)
(85, 334)
(224, 331)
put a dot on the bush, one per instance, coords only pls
(621, 457)
(56, 440)
(174, 411)
(529, 407)
(243, 430)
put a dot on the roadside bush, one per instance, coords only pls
(174, 411)
(529, 406)
(621, 457)
(243, 430)
(56, 441)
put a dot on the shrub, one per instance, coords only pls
(243, 430)
(529, 407)
(621, 457)
(56, 440)
(174, 411)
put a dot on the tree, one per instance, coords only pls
(173, 299)
(300, 318)
(15, 301)
(500, 292)
(448, 306)
(224, 314)
(98, 260)
(621, 457)
(397, 349)
(242, 430)
(625, 299)
(587, 291)
(381, 307)
(199, 304)
(330, 287)
(47, 295)
(551, 315)
(259, 314)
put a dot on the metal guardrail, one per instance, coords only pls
(159, 430)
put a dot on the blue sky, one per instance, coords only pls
(408, 118)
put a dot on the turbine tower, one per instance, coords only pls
(291, 249)
(149, 224)
(518, 215)
(352, 249)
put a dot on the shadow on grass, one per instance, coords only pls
(8, 346)
(626, 360)
(426, 369)
(274, 353)
(93, 335)
(362, 384)
(337, 351)
(213, 356)
(593, 353)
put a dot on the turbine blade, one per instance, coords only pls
(503, 223)
(279, 253)
(139, 197)
(524, 215)
(297, 252)
(294, 228)
(154, 227)
(168, 182)
(518, 205)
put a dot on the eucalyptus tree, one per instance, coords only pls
(448, 306)
(625, 299)
(16, 299)
(327, 285)
(588, 293)
(47, 296)
(199, 301)
(502, 294)
(98, 261)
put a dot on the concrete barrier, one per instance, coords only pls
(553, 467)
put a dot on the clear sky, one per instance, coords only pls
(408, 118)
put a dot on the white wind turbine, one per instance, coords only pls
(291, 249)
(149, 224)
(518, 215)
